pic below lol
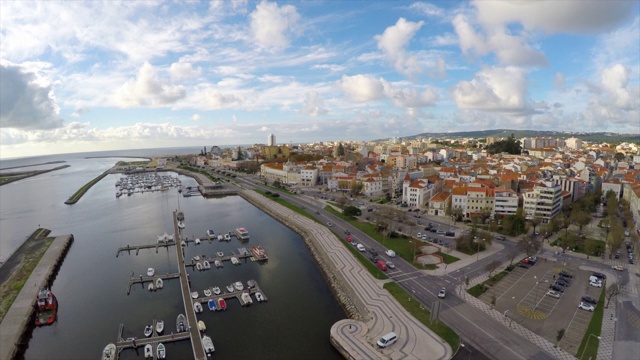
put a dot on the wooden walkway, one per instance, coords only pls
(154, 339)
(230, 295)
(137, 248)
(144, 279)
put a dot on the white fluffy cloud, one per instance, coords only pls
(412, 98)
(148, 89)
(25, 102)
(313, 104)
(499, 89)
(271, 24)
(615, 80)
(556, 16)
(183, 70)
(362, 88)
(393, 41)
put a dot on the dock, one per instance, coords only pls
(144, 279)
(230, 295)
(154, 339)
(137, 248)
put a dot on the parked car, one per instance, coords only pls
(554, 294)
(424, 237)
(501, 238)
(601, 276)
(381, 265)
(533, 259)
(390, 265)
(450, 234)
(565, 274)
(419, 235)
(617, 267)
(524, 265)
(373, 251)
(597, 284)
(346, 231)
(442, 293)
(585, 306)
(562, 282)
(556, 288)
(440, 232)
(390, 253)
(589, 300)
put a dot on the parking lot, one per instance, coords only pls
(523, 296)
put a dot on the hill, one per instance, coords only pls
(585, 136)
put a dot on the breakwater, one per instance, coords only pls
(78, 194)
(30, 174)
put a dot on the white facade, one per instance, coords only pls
(271, 140)
(544, 201)
(506, 202)
(309, 176)
(573, 143)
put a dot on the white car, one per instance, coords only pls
(419, 235)
(361, 247)
(617, 267)
(597, 284)
(329, 224)
(390, 253)
(442, 293)
(554, 294)
(585, 306)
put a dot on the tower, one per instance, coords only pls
(271, 141)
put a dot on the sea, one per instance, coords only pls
(91, 285)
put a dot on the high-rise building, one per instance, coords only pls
(271, 141)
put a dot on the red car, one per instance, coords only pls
(381, 265)
(348, 238)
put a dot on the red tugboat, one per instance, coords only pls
(46, 307)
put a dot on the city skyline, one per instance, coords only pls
(106, 76)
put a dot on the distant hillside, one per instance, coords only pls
(586, 136)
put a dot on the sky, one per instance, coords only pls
(92, 75)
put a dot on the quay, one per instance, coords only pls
(19, 318)
(143, 279)
(154, 340)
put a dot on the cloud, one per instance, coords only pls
(412, 98)
(393, 41)
(271, 24)
(614, 82)
(497, 89)
(362, 88)
(196, 117)
(556, 16)
(440, 70)
(148, 89)
(559, 81)
(427, 9)
(446, 39)
(183, 70)
(25, 101)
(313, 104)
(331, 67)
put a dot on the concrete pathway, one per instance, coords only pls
(383, 313)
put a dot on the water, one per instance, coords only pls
(92, 283)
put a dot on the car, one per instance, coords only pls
(442, 293)
(433, 230)
(361, 247)
(440, 232)
(381, 265)
(589, 300)
(501, 238)
(617, 267)
(424, 237)
(556, 288)
(317, 212)
(390, 265)
(450, 234)
(554, 294)
(346, 231)
(524, 265)
(390, 253)
(631, 261)
(533, 259)
(387, 340)
(329, 224)
(565, 274)
(373, 251)
(419, 235)
(585, 306)
(348, 238)
(597, 284)
(600, 276)
(374, 259)
(562, 282)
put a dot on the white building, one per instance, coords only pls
(573, 143)
(506, 202)
(543, 202)
(271, 140)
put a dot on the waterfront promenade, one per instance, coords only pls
(381, 313)
(20, 315)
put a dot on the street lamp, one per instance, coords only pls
(586, 346)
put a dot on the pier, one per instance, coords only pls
(154, 340)
(143, 279)
(137, 248)
(230, 295)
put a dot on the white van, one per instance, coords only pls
(594, 279)
(361, 247)
(387, 340)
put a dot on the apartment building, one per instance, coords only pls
(544, 201)
(439, 204)
(506, 202)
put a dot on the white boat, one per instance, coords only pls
(196, 258)
(216, 290)
(251, 284)
(219, 254)
(199, 266)
(227, 237)
(183, 243)
(159, 283)
(109, 352)
(220, 237)
(201, 326)
(148, 351)
(235, 261)
(207, 344)
(230, 288)
(197, 307)
(159, 326)
(218, 263)
(206, 265)
(210, 233)
(197, 241)
(151, 287)
(238, 285)
(194, 294)
(161, 352)
(151, 271)
(242, 233)
(207, 292)
(246, 299)
(181, 225)
(148, 330)
(181, 321)
(259, 296)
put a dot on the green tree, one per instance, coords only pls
(352, 211)
(356, 188)
(619, 156)
(580, 218)
(339, 150)
(530, 245)
(239, 153)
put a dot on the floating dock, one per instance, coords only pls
(142, 279)
(154, 339)
(234, 294)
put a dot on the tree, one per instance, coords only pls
(530, 245)
(619, 156)
(239, 154)
(560, 335)
(352, 211)
(589, 247)
(341, 201)
(512, 255)
(612, 291)
(580, 218)
(339, 150)
(535, 221)
(356, 188)
(492, 266)
(615, 237)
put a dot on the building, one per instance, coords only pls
(544, 201)
(573, 143)
(506, 202)
(275, 152)
(271, 140)
(439, 204)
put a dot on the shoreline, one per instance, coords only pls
(44, 163)
(31, 174)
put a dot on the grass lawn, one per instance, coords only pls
(287, 204)
(477, 290)
(448, 259)
(594, 328)
(423, 315)
(481, 288)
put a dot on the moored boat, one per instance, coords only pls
(148, 351)
(230, 288)
(148, 330)
(235, 261)
(212, 305)
(161, 351)
(199, 266)
(220, 237)
(210, 233)
(160, 326)
(197, 241)
(181, 225)
(258, 252)
(251, 284)
(197, 307)
(194, 294)
(46, 307)
(246, 299)
(151, 287)
(219, 254)
(222, 304)
(201, 326)
(207, 292)
(242, 233)
(216, 290)
(207, 344)
(227, 237)
(238, 285)
(181, 321)
(159, 283)
(218, 263)
(109, 352)
(206, 265)
(259, 296)
(151, 271)
(196, 258)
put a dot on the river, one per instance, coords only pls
(91, 285)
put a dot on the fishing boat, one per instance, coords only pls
(230, 288)
(159, 326)
(161, 352)
(227, 237)
(151, 287)
(216, 290)
(197, 307)
(259, 296)
(197, 241)
(259, 253)
(238, 285)
(47, 307)
(194, 294)
(210, 233)
(207, 344)
(219, 254)
(109, 352)
(148, 351)
(159, 283)
(222, 304)
(218, 263)
(181, 320)
(151, 271)
(207, 292)
(246, 299)
(199, 266)
(242, 234)
(212, 305)
(206, 265)
(235, 261)
(201, 326)
(148, 330)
